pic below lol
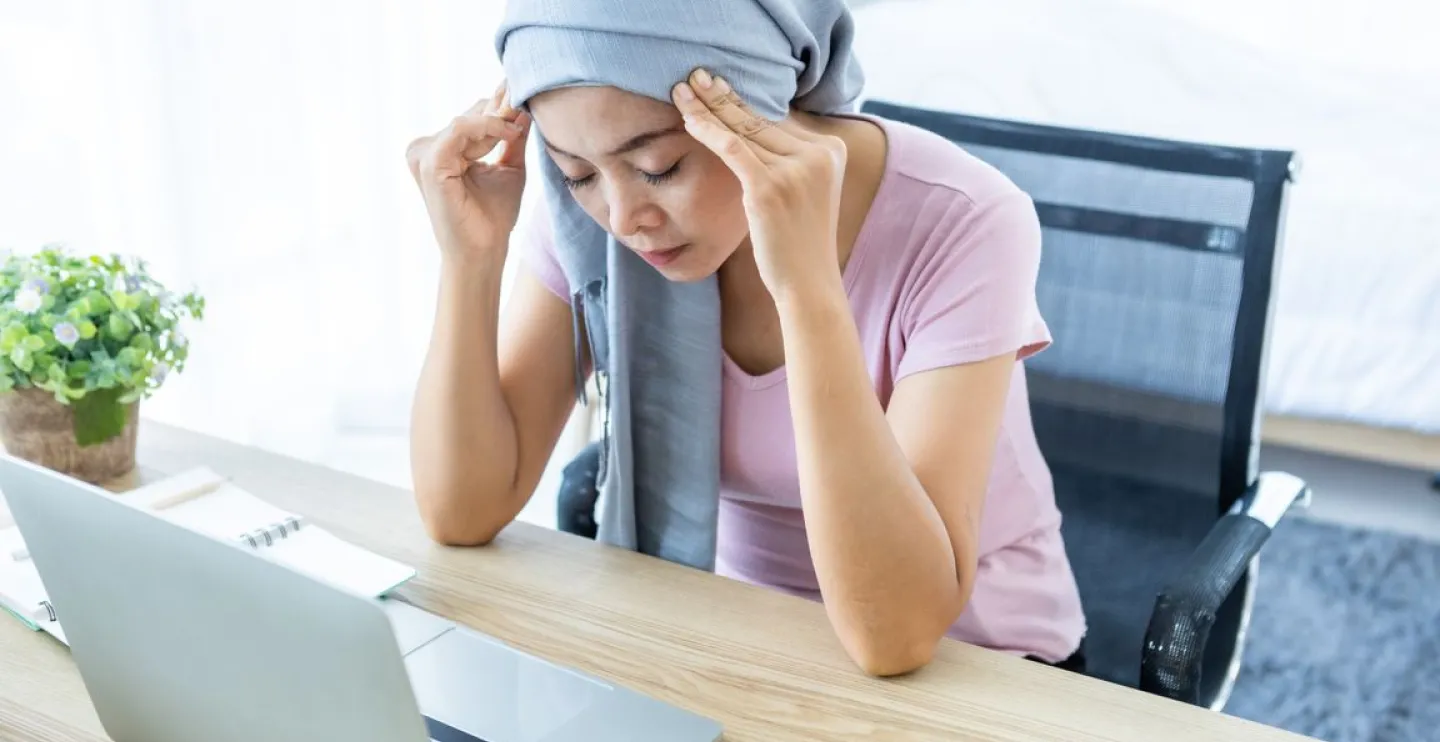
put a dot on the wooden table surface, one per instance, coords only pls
(766, 665)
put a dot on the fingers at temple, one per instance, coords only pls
(744, 157)
(727, 105)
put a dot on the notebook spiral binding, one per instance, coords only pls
(49, 610)
(268, 535)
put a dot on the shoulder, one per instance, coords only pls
(924, 161)
(942, 210)
(952, 247)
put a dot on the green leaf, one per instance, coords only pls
(21, 358)
(87, 330)
(99, 416)
(78, 369)
(119, 327)
(98, 302)
(143, 342)
(34, 343)
(12, 334)
(6, 383)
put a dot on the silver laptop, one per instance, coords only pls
(181, 637)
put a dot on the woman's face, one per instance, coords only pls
(630, 164)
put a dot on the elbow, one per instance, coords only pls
(887, 648)
(903, 641)
(886, 659)
(446, 534)
(449, 525)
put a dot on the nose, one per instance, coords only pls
(630, 210)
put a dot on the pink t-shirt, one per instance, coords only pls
(942, 273)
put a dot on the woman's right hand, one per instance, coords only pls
(473, 205)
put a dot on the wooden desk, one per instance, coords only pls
(765, 664)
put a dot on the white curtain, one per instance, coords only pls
(255, 151)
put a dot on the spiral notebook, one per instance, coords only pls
(202, 500)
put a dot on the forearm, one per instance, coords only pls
(463, 437)
(883, 558)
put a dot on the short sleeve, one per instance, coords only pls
(974, 296)
(535, 242)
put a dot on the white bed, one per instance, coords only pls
(1357, 331)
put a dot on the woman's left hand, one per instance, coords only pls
(791, 180)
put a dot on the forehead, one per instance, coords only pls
(593, 120)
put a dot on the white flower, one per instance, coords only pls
(66, 334)
(28, 300)
(159, 372)
(177, 338)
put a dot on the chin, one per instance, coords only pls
(692, 268)
(684, 274)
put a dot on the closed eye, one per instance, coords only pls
(577, 183)
(658, 178)
(651, 178)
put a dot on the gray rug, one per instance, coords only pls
(1344, 644)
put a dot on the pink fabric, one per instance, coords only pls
(943, 273)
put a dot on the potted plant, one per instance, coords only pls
(82, 341)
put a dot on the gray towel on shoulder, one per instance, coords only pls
(656, 344)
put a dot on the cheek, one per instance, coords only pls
(713, 201)
(593, 202)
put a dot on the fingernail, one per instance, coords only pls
(703, 77)
(513, 126)
(721, 86)
(684, 93)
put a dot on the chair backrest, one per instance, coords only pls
(1155, 280)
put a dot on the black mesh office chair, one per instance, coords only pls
(1156, 281)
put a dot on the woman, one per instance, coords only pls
(876, 299)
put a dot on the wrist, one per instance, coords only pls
(468, 280)
(815, 292)
(473, 266)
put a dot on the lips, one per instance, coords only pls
(662, 258)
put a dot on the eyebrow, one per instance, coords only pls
(630, 145)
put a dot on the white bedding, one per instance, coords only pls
(1356, 333)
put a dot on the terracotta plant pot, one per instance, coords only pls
(34, 427)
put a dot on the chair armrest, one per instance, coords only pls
(1185, 610)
